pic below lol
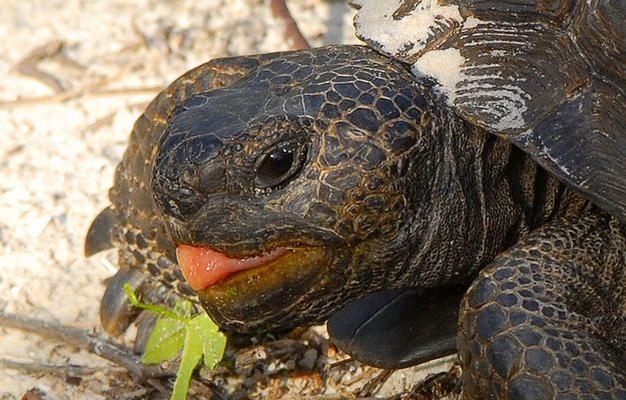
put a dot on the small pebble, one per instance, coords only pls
(307, 362)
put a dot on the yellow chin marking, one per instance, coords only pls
(279, 280)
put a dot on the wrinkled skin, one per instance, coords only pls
(386, 188)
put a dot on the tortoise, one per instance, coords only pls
(457, 185)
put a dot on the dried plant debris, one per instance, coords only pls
(302, 363)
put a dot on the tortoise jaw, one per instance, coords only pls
(249, 296)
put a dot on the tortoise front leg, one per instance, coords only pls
(547, 319)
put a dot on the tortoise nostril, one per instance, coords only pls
(181, 191)
(189, 177)
(205, 179)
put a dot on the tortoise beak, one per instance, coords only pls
(249, 289)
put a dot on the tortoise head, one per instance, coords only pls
(298, 187)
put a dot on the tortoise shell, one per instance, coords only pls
(548, 75)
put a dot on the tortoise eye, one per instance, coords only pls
(279, 165)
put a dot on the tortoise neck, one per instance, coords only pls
(486, 195)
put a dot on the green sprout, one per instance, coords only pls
(197, 336)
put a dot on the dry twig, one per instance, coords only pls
(36, 394)
(92, 91)
(292, 32)
(375, 383)
(28, 66)
(438, 385)
(88, 340)
(69, 370)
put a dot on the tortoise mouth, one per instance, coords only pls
(238, 290)
(203, 267)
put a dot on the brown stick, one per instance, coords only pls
(293, 35)
(438, 385)
(375, 383)
(62, 370)
(36, 394)
(29, 65)
(88, 340)
(88, 92)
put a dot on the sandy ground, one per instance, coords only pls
(58, 151)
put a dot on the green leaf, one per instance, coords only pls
(198, 337)
(130, 293)
(213, 342)
(165, 342)
(192, 352)
(134, 301)
(183, 309)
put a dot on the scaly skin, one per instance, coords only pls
(547, 318)
(390, 189)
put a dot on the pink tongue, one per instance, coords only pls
(203, 267)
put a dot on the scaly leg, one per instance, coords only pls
(547, 319)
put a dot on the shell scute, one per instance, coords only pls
(550, 76)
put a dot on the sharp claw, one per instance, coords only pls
(116, 314)
(145, 325)
(100, 233)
